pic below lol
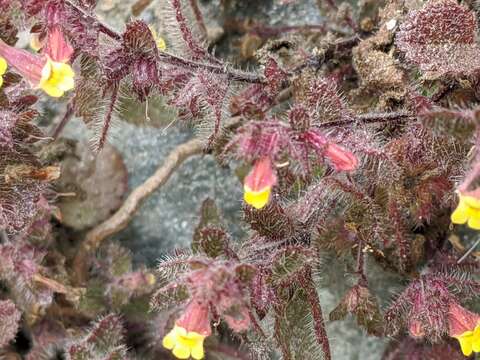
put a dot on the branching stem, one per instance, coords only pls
(369, 118)
(232, 74)
(170, 58)
(98, 24)
(65, 119)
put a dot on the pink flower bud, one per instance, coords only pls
(341, 159)
(316, 139)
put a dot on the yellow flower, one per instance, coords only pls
(257, 185)
(467, 211)
(470, 341)
(257, 199)
(161, 44)
(3, 69)
(184, 344)
(56, 78)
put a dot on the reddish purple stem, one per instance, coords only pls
(319, 324)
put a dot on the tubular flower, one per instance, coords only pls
(57, 75)
(48, 71)
(190, 330)
(467, 211)
(464, 326)
(3, 69)
(258, 183)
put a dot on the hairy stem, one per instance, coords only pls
(319, 323)
(369, 118)
(139, 6)
(333, 50)
(188, 38)
(98, 24)
(361, 262)
(232, 74)
(65, 119)
(264, 31)
(108, 118)
(165, 57)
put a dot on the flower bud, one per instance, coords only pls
(341, 159)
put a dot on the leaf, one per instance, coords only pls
(19, 263)
(19, 195)
(168, 296)
(295, 331)
(103, 341)
(361, 303)
(440, 39)
(288, 264)
(245, 272)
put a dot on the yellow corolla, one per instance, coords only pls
(467, 211)
(3, 69)
(257, 199)
(184, 344)
(161, 44)
(258, 184)
(56, 78)
(470, 341)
